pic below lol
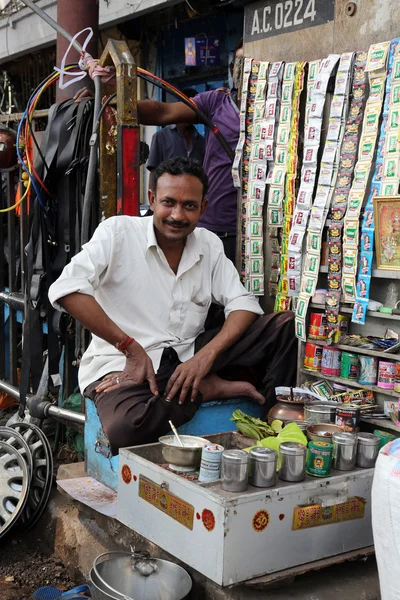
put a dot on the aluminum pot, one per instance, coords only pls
(320, 412)
(136, 576)
(189, 456)
(367, 450)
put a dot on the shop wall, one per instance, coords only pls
(373, 21)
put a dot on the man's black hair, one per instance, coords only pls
(239, 44)
(190, 92)
(182, 166)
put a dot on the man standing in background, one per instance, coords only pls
(181, 139)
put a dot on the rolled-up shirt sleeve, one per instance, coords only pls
(83, 273)
(228, 290)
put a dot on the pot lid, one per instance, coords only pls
(292, 448)
(369, 439)
(348, 439)
(264, 454)
(238, 456)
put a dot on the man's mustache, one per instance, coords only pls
(176, 223)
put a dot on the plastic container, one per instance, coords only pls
(367, 450)
(397, 378)
(368, 370)
(263, 467)
(317, 327)
(330, 364)
(384, 437)
(386, 375)
(349, 365)
(313, 357)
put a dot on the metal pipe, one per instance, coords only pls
(63, 414)
(51, 410)
(43, 15)
(12, 271)
(14, 300)
(12, 390)
(90, 191)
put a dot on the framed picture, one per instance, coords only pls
(387, 232)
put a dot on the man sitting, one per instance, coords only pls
(143, 286)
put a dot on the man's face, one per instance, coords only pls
(177, 205)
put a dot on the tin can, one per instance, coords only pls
(397, 378)
(348, 418)
(368, 370)
(317, 328)
(263, 467)
(330, 364)
(386, 375)
(293, 461)
(367, 450)
(234, 470)
(344, 451)
(349, 365)
(313, 357)
(210, 466)
(343, 327)
(319, 459)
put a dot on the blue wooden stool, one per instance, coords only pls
(211, 417)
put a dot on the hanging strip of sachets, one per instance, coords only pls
(376, 67)
(253, 209)
(308, 213)
(287, 149)
(236, 166)
(339, 266)
(276, 192)
(253, 171)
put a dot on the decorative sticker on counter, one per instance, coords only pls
(315, 515)
(260, 520)
(126, 474)
(171, 505)
(208, 519)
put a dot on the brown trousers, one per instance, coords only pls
(266, 355)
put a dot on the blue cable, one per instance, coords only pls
(25, 166)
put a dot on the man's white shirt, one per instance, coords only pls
(126, 271)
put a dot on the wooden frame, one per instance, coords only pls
(387, 232)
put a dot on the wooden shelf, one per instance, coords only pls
(349, 310)
(350, 383)
(356, 350)
(382, 424)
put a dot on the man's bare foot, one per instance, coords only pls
(214, 388)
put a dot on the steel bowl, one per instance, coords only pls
(182, 457)
(322, 431)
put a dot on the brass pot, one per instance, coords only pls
(286, 411)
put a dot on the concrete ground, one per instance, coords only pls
(77, 534)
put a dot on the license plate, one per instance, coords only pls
(315, 515)
(171, 505)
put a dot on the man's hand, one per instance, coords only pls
(83, 93)
(138, 369)
(189, 375)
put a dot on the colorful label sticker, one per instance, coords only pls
(208, 519)
(260, 520)
(168, 503)
(126, 474)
